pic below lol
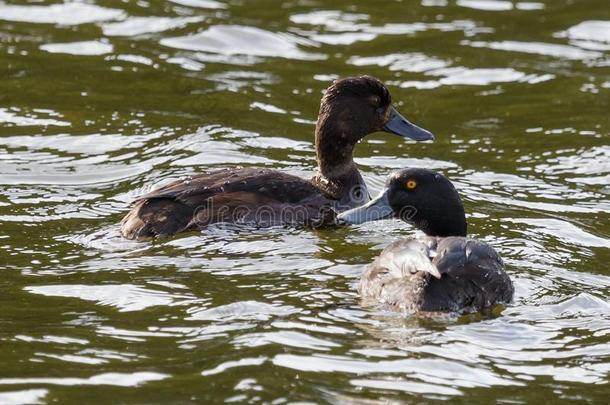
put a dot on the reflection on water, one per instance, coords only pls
(500, 5)
(34, 396)
(124, 297)
(117, 379)
(79, 48)
(236, 39)
(134, 26)
(589, 35)
(540, 48)
(11, 117)
(101, 102)
(69, 13)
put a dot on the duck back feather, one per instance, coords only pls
(248, 195)
(456, 274)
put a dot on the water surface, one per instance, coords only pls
(102, 101)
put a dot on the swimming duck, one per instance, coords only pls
(443, 271)
(349, 110)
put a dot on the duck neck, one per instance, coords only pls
(450, 221)
(334, 156)
(337, 175)
(453, 227)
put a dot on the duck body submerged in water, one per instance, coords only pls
(349, 110)
(443, 271)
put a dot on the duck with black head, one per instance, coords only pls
(350, 109)
(443, 271)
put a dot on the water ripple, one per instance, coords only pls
(241, 40)
(72, 13)
(101, 103)
(115, 379)
(124, 297)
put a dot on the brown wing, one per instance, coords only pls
(267, 183)
(262, 196)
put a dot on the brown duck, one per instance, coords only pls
(349, 110)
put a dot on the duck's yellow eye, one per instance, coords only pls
(410, 184)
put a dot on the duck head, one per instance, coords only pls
(421, 197)
(352, 108)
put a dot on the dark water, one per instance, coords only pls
(101, 101)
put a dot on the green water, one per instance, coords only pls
(105, 100)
